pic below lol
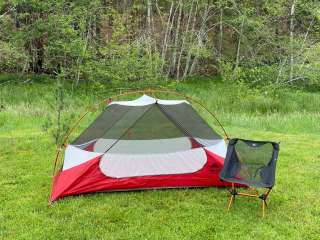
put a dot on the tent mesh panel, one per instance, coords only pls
(118, 123)
(104, 122)
(251, 162)
(190, 121)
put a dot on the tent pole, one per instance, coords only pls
(109, 99)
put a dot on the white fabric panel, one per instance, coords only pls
(208, 142)
(171, 102)
(141, 101)
(74, 156)
(127, 165)
(143, 146)
(86, 144)
(147, 100)
(219, 148)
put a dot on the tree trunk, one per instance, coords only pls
(176, 39)
(291, 39)
(149, 29)
(201, 35)
(80, 59)
(238, 48)
(186, 68)
(168, 29)
(186, 32)
(221, 33)
(149, 18)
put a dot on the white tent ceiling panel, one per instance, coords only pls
(147, 100)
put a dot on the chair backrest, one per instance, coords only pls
(252, 163)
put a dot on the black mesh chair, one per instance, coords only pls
(253, 164)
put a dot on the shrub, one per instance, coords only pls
(12, 58)
(124, 63)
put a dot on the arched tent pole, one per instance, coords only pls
(109, 99)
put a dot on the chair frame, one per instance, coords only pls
(262, 196)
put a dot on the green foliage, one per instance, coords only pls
(203, 52)
(226, 70)
(310, 68)
(253, 75)
(124, 63)
(12, 59)
(57, 124)
(117, 42)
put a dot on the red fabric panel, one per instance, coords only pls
(194, 143)
(87, 178)
(89, 148)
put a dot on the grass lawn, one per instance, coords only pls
(27, 153)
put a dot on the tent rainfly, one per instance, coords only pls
(142, 144)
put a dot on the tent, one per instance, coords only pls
(142, 144)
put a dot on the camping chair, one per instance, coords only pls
(253, 164)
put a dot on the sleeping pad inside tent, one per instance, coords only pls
(142, 144)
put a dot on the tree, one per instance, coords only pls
(260, 42)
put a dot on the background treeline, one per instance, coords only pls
(259, 42)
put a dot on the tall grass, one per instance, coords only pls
(279, 110)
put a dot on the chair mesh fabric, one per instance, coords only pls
(252, 163)
(149, 122)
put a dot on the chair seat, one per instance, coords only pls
(251, 163)
(248, 183)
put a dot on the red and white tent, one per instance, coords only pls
(142, 144)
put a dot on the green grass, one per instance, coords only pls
(26, 156)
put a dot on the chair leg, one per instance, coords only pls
(264, 197)
(231, 200)
(263, 208)
(233, 196)
(267, 193)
